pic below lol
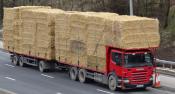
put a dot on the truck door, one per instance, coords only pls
(116, 62)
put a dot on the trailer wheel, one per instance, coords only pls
(112, 82)
(21, 63)
(15, 60)
(42, 66)
(73, 72)
(12, 58)
(82, 75)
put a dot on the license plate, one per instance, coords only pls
(139, 86)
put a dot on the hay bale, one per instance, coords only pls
(12, 22)
(131, 35)
(78, 27)
(10, 14)
(44, 30)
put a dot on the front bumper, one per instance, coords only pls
(133, 86)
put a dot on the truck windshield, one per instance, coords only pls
(138, 60)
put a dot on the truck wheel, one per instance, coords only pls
(15, 60)
(42, 66)
(82, 75)
(73, 72)
(112, 82)
(11, 58)
(21, 63)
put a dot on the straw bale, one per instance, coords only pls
(45, 27)
(8, 40)
(13, 22)
(137, 36)
(10, 14)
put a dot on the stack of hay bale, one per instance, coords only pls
(100, 34)
(38, 32)
(136, 32)
(12, 25)
(95, 32)
(76, 38)
(10, 16)
(62, 36)
(70, 38)
(126, 32)
(81, 38)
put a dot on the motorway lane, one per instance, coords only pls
(168, 80)
(30, 81)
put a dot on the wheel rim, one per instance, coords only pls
(82, 76)
(73, 74)
(21, 63)
(112, 83)
(15, 62)
(41, 67)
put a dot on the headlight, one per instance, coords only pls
(126, 81)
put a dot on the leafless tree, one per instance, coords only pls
(1, 11)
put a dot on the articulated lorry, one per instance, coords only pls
(112, 49)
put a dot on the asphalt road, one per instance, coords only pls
(29, 80)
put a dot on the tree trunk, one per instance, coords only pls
(167, 13)
(1, 11)
(14, 3)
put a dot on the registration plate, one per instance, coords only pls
(139, 86)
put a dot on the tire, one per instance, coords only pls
(73, 73)
(15, 60)
(42, 66)
(21, 63)
(82, 75)
(112, 82)
(11, 58)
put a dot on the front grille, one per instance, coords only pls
(139, 77)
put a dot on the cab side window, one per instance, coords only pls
(117, 58)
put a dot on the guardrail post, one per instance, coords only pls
(171, 66)
(163, 65)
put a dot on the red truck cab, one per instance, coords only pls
(131, 68)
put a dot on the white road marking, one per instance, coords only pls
(59, 93)
(10, 78)
(47, 76)
(7, 91)
(104, 91)
(9, 65)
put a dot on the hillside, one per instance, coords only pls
(167, 50)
